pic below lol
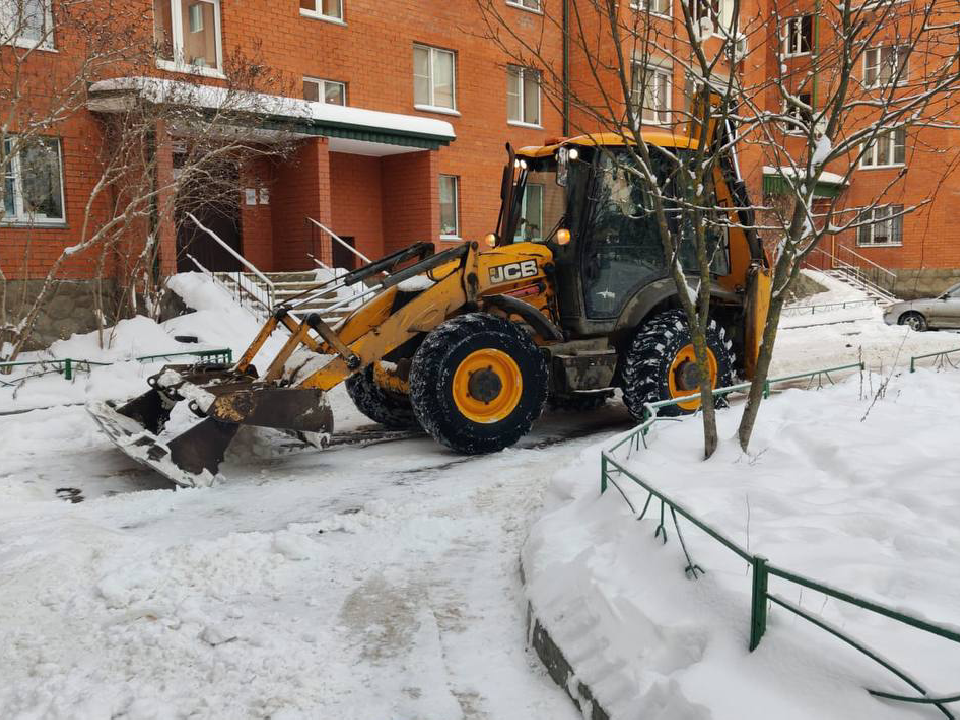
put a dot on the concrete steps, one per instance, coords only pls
(865, 286)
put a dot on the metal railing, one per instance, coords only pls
(69, 367)
(254, 286)
(327, 257)
(874, 278)
(613, 469)
(942, 359)
(799, 310)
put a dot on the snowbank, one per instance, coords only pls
(865, 499)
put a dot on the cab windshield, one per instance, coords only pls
(541, 204)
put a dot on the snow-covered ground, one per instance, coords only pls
(863, 498)
(375, 582)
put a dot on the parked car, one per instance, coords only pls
(939, 313)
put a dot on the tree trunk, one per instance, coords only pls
(749, 418)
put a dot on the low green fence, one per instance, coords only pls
(68, 367)
(798, 310)
(942, 359)
(613, 469)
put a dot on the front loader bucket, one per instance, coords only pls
(191, 459)
(150, 410)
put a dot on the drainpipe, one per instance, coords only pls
(566, 69)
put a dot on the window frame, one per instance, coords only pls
(321, 92)
(19, 217)
(430, 107)
(456, 206)
(791, 129)
(894, 220)
(667, 112)
(48, 43)
(519, 4)
(873, 152)
(643, 6)
(799, 20)
(521, 74)
(177, 32)
(898, 51)
(320, 15)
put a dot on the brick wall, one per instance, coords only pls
(356, 202)
(301, 189)
(411, 196)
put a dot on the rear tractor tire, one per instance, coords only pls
(478, 383)
(390, 409)
(661, 365)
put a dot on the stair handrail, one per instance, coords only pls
(856, 272)
(888, 272)
(243, 261)
(331, 233)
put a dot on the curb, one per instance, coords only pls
(557, 666)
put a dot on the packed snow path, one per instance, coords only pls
(377, 582)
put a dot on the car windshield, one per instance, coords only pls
(953, 291)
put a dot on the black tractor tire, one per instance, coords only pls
(913, 320)
(579, 402)
(435, 368)
(390, 409)
(655, 347)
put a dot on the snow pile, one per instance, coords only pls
(862, 498)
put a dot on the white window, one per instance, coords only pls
(888, 150)
(27, 23)
(325, 9)
(651, 93)
(188, 35)
(654, 7)
(525, 4)
(33, 186)
(434, 78)
(449, 207)
(798, 35)
(523, 96)
(884, 226)
(328, 92)
(798, 117)
(530, 227)
(882, 64)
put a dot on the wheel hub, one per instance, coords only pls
(684, 376)
(688, 376)
(484, 385)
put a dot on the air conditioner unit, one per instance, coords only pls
(740, 48)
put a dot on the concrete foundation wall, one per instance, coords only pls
(924, 282)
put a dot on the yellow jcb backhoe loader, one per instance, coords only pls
(567, 300)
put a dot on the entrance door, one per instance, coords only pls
(223, 218)
(343, 258)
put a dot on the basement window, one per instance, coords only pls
(449, 207)
(33, 185)
(328, 92)
(187, 33)
(884, 226)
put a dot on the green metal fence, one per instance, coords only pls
(942, 359)
(69, 367)
(613, 469)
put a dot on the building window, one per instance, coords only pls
(325, 9)
(884, 226)
(434, 78)
(798, 38)
(530, 227)
(651, 94)
(449, 207)
(523, 96)
(654, 7)
(889, 149)
(27, 23)
(33, 186)
(328, 92)
(798, 117)
(881, 65)
(188, 34)
(525, 4)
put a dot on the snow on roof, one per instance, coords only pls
(825, 177)
(160, 90)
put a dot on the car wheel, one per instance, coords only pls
(914, 321)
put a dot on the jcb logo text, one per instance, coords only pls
(513, 271)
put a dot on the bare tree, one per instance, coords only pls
(764, 89)
(133, 193)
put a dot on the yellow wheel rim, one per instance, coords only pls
(487, 385)
(682, 383)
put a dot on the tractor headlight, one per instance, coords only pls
(490, 240)
(563, 236)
